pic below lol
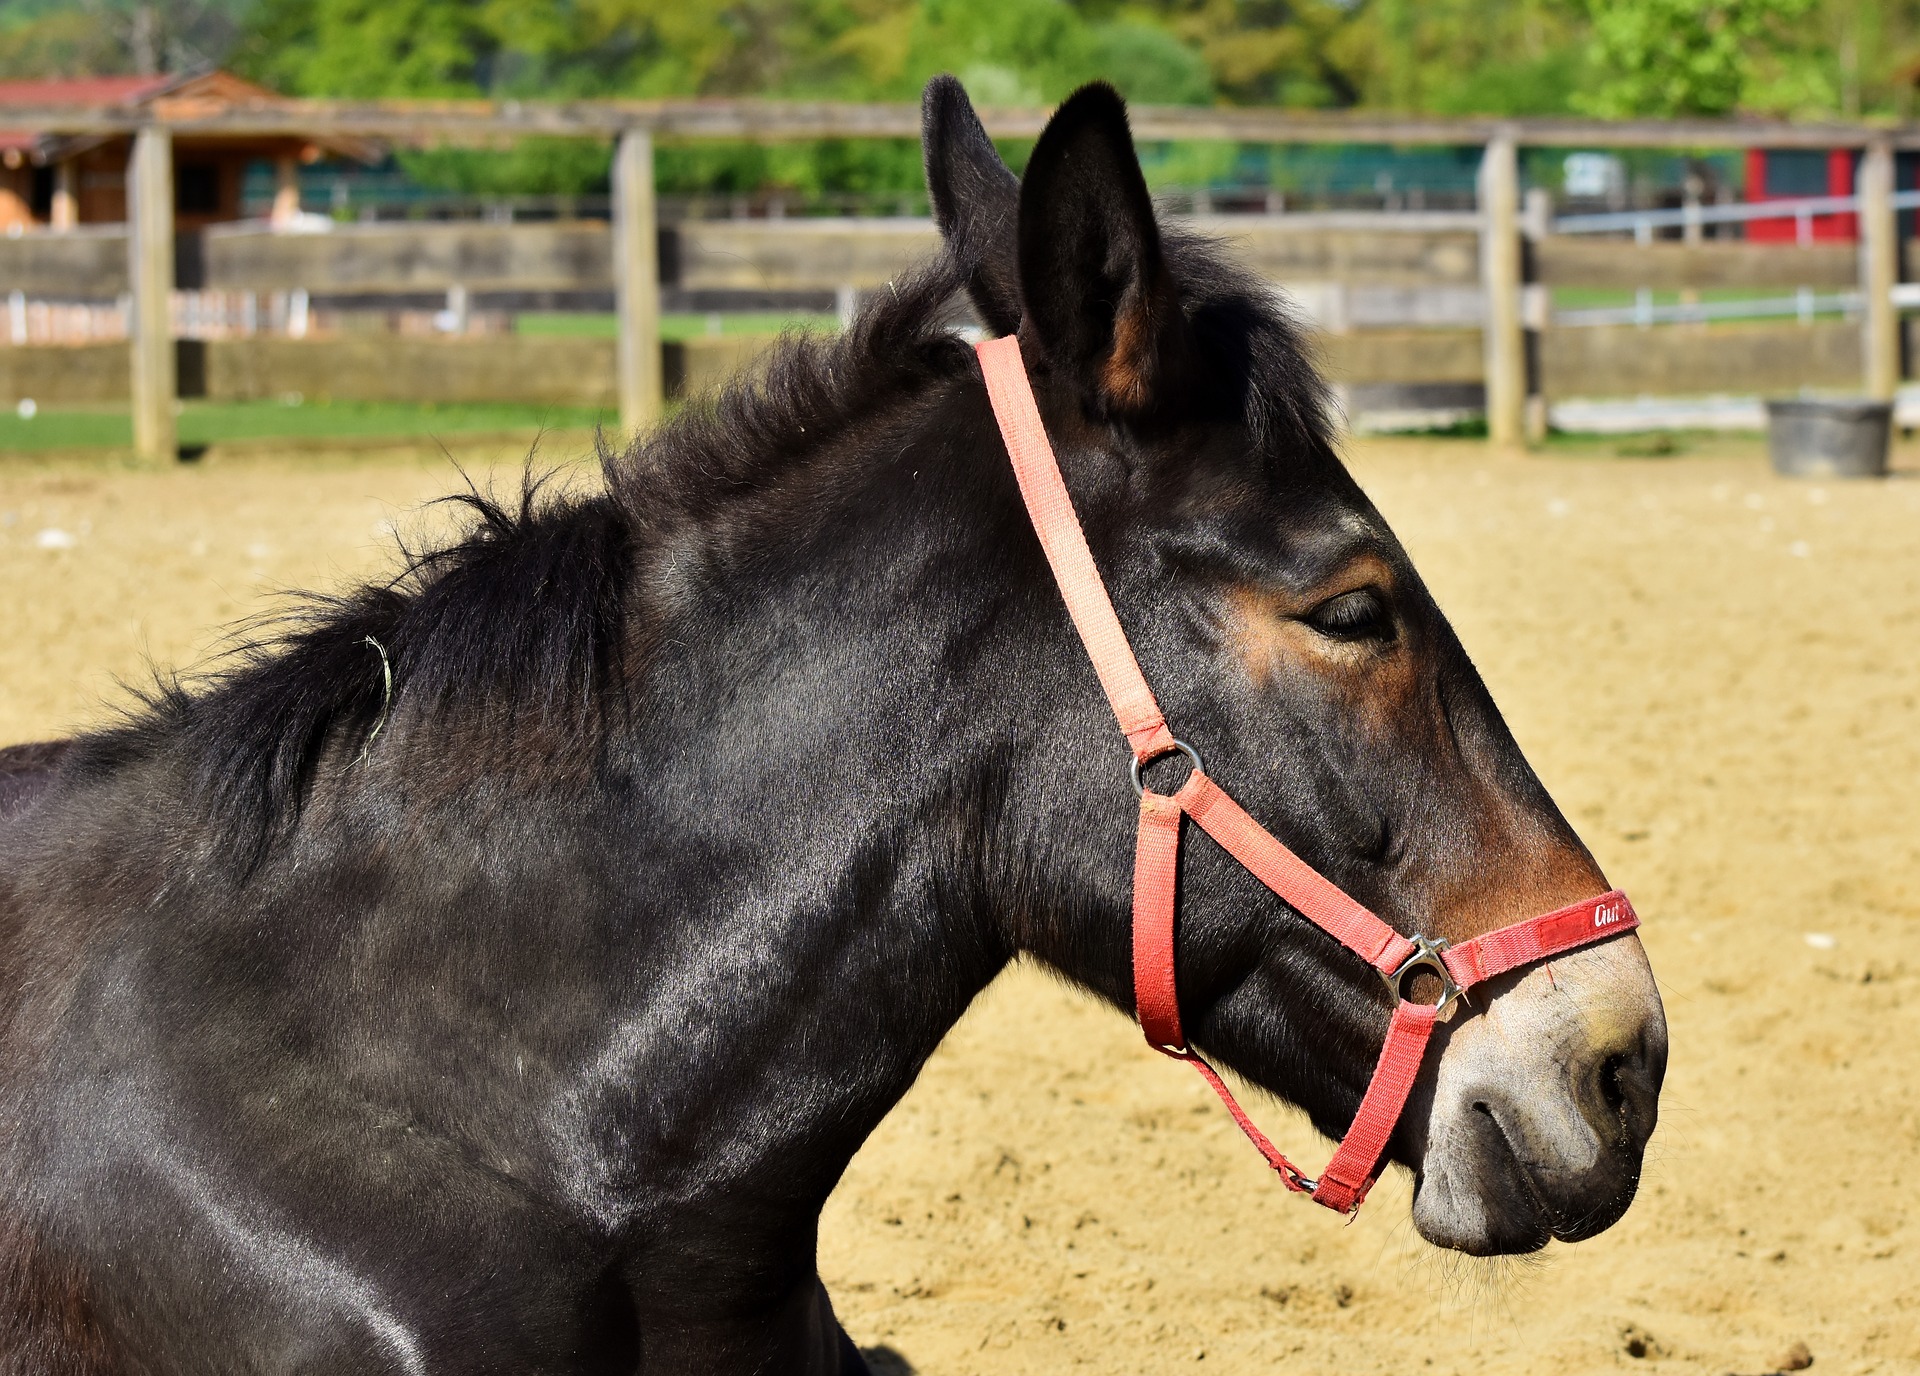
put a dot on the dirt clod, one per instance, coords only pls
(1636, 1342)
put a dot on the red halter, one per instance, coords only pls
(1356, 1162)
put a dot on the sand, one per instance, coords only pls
(1715, 671)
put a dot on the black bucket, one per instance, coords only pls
(1820, 438)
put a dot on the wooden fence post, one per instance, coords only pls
(1536, 306)
(150, 276)
(1879, 270)
(636, 276)
(64, 213)
(1503, 334)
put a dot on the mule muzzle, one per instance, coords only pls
(1543, 1107)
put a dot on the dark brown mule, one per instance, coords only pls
(524, 1021)
(25, 773)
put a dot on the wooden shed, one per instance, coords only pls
(62, 181)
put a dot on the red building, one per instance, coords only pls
(1775, 174)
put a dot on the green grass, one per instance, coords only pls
(212, 422)
(1584, 298)
(1624, 296)
(77, 429)
(1655, 444)
(677, 326)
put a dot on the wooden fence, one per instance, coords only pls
(1397, 298)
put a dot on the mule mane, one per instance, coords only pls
(514, 643)
(518, 631)
(776, 437)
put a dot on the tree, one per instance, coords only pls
(1015, 52)
(61, 44)
(1664, 58)
(56, 38)
(1462, 57)
(1024, 50)
(1268, 52)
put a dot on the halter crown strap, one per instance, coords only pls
(1045, 493)
(1356, 1162)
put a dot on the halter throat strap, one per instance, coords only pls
(1357, 1161)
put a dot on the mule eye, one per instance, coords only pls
(1357, 615)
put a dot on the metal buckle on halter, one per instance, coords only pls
(1133, 770)
(1426, 956)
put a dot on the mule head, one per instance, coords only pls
(1289, 638)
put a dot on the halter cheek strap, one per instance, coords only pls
(1357, 1161)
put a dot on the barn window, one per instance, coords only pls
(1796, 172)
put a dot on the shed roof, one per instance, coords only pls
(85, 90)
(188, 94)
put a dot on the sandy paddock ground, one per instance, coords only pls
(1716, 672)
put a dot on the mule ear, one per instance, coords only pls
(976, 201)
(1097, 292)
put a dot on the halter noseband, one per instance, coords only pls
(1356, 1162)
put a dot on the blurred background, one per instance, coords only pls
(1378, 233)
(1840, 59)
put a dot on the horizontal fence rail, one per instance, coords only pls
(756, 119)
(1803, 208)
(1385, 252)
(1669, 265)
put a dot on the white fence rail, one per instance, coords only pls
(1801, 209)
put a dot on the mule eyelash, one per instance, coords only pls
(1358, 615)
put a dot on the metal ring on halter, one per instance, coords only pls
(1133, 770)
(1426, 957)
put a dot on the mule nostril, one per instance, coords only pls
(1613, 1087)
(1627, 1090)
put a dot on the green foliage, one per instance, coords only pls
(1010, 52)
(1465, 56)
(1501, 57)
(532, 167)
(1150, 65)
(1019, 51)
(1024, 52)
(61, 44)
(368, 48)
(1287, 52)
(851, 166)
(1700, 57)
(68, 38)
